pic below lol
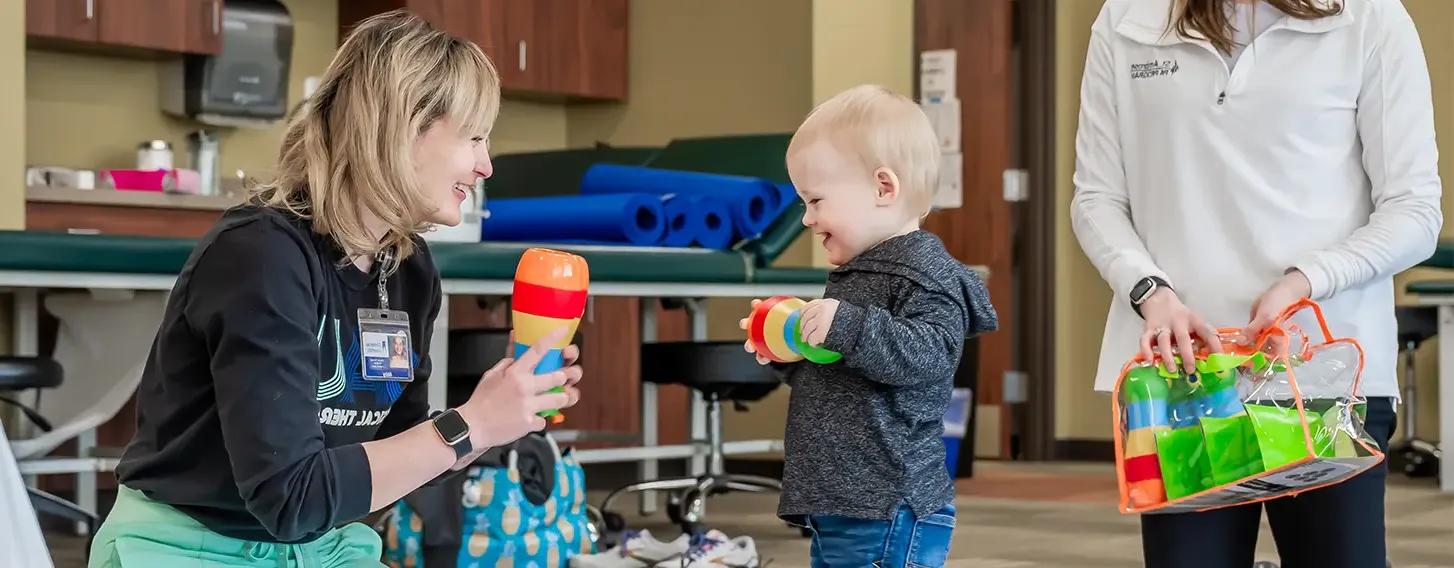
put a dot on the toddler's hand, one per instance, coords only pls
(747, 345)
(817, 318)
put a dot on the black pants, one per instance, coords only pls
(1334, 527)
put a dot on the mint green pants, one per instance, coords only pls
(141, 533)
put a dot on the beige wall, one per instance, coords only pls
(715, 79)
(90, 111)
(685, 80)
(1081, 297)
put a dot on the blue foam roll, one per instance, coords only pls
(787, 194)
(552, 361)
(714, 223)
(1222, 404)
(621, 218)
(752, 201)
(682, 221)
(1145, 414)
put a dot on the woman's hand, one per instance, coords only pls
(505, 402)
(747, 345)
(1292, 287)
(570, 353)
(1168, 323)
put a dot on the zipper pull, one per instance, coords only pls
(1221, 98)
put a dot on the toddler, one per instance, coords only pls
(864, 464)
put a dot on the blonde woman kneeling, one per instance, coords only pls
(270, 419)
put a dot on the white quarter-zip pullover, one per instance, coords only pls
(1314, 151)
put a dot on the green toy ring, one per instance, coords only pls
(817, 355)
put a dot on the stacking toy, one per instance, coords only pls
(550, 292)
(775, 333)
(1146, 419)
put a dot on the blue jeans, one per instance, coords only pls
(903, 542)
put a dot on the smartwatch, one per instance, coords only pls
(1143, 290)
(453, 430)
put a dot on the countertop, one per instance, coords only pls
(118, 198)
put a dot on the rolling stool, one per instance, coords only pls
(722, 372)
(27, 373)
(1415, 457)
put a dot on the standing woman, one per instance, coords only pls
(1234, 156)
(269, 419)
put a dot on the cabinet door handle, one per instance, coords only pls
(522, 55)
(216, 17)
(90, 9)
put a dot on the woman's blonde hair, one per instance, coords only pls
(348, 152)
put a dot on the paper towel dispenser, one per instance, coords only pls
(246, 84)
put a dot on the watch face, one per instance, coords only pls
(452, 427)
(1142, 290)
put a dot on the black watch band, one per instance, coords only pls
(453, 429)
(1144, 289)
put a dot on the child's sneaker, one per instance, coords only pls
(637, 550)
(715, 550)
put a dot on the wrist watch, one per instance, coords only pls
(453, 430)
(1144, 289)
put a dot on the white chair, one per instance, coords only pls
(22, 529)
(102, 344)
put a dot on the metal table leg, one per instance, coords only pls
(1446, 392)
(649, 467)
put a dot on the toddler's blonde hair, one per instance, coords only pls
(878, 128)
(349, 149)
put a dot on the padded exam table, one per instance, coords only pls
(34, 261)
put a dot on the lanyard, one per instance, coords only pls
(386, 265)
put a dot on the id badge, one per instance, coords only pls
(383, 340)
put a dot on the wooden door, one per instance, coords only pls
(62, 19)
(981, 231)
(147, 24)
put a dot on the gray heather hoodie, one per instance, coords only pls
(864, 433)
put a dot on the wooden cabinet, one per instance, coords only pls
(573, 49)
(61, 19)
(182, 26)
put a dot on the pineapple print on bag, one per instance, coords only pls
(567, 530)
(532, 543)
(477, 544)
(510, 517)
(501, 527)
(552, 549)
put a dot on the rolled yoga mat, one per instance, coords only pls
(752, 201)
(622, 218)
(714, 223)
(786, 195)
(681, 221)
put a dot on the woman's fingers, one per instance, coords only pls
(1163, 343)
(550, 401)
(1185, 348)
(1148, 338)
(572, 374)
(547, 381)
(1209, 336)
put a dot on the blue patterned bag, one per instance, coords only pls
(509, 518)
